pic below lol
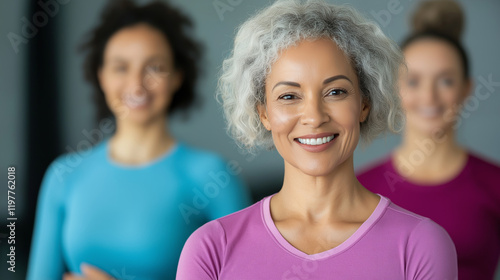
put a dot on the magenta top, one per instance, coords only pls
(392, 243)
(467, 206)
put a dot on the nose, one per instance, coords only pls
(135, 83)
(314, 112)
(429, 93)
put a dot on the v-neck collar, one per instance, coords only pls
(356, 236)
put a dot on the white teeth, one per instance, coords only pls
(134, 101)
(316, 141)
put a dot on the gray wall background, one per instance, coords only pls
(479, 131)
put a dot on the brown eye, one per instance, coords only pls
(287, 97)
(336, 92)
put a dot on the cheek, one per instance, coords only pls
(112, 88)
(111, 85)
(408, 99)
(282, 118)
(346, 115)
(161, 91)
(282, 122)
(452, 97)
(158, 83)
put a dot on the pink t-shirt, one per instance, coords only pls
(392, 243)
(467, 207)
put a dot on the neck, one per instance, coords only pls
(139, 143)
(322, 198)
(423, 154)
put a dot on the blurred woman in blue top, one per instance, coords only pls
(125, 208)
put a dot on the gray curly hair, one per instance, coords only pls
(259, 40)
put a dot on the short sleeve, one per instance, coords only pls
(430, 253)
(46, 257)
(202, 255)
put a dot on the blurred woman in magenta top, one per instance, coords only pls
(430, 173)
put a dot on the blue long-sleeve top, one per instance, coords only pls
(130, 221)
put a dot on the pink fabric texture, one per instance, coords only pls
(392, 243)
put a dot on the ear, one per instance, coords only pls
(365, 109)
(261, 108)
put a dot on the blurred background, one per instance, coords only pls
(46, 107)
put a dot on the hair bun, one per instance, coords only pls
(442, 16)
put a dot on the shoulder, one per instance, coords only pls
(428, 248)
(431, 251)
(484, 168)
(405, 220)
(207, 237)
(486, 176)
(430, 232)
(241, 219)
(414, 225)
(213, 231)
(70, 166)
(226, 225)
(203, 254)
(71, 163)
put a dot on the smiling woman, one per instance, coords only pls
(310, 79)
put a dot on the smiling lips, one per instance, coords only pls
(135, 101)
(430, 112)
(318, 142)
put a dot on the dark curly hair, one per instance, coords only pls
(171, 22)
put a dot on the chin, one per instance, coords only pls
(141, 119)
(317, 170)
(316, 173)
(432, 129)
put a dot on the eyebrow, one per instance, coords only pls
(334, 78)
(326, 81)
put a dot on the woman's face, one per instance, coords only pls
(138, 76)
(313, 106)
(434, 87)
